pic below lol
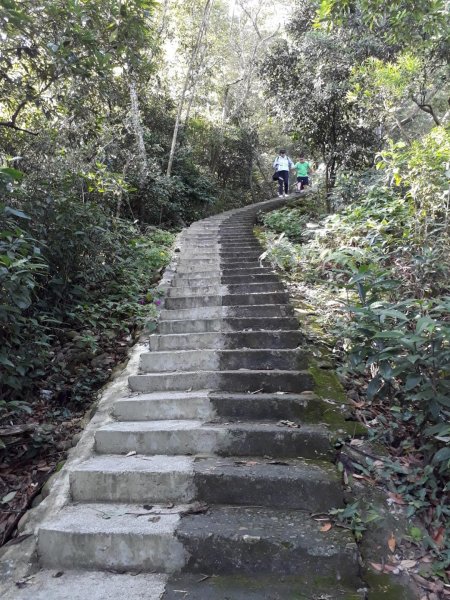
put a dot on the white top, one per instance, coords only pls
(283, 163)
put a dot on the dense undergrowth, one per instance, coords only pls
(376, 274)
(77, 286)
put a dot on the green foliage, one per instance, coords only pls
(280, 251)
(291, 221)
(354, 517)
(409, 22)
(315, 96)
(87, 274)
(384, 261)
(56, 43)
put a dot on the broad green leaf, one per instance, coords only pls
(6, 499)
(441, 455)
(425, 323)
(16, 213)
(412, 381)
(389, 334)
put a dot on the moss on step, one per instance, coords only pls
(326, 383)
(331, 408)
(387, 587)
(286, 587)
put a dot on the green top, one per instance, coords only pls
(302, 168)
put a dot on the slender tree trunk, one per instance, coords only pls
(138, 131)
(195, 51)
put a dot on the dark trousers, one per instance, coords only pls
(283, 179)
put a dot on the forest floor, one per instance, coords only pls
(36, 444)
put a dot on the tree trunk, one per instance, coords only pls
(138, 131)
(192, 62)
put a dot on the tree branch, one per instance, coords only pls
(427, 108)
(11, 125)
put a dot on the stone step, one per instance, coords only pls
(239, 263)
(259, 587)
(194, 255)
(111, 537)
(190, 264)
(223, 359)
(234, 300)
(200, 238)
(261, 540)
(186, 341)
(183, 326)
(305, 407)
(182, 290)
(197, 282)
(232, 255)
(249, 278)
(134, 479)
(164, 405)
(226, 324)
(232, 381)
(292, 483)
(207, 275)
(222, 312)
(235, 228)
(179, 360)
(190, 270)
(246, 270)
(227, 340)
(91, 585)
(238, 236)
(255, 287)
(240, 245)
(195, 437)
(236, 265)
(301, 408)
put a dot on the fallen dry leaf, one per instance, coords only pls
(408, 564)
(431, 586)
(426, 559)
(439, 535)
(392, 543)
(357, 404)
(396, 498)
(286, 423)
(356, 442)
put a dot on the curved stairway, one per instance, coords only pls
(214, 499)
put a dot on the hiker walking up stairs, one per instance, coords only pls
(203, 481)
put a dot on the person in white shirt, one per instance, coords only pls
(282, 165)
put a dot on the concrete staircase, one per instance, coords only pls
(214, 499)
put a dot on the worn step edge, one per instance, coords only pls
(195, 437)
(103, 536)
(234, 381)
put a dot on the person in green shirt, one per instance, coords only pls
(303, 169)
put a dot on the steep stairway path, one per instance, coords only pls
(194, 489)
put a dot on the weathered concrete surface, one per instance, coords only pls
(89, 585)
(260, 540)
(255, 481)
(111, 536)
(165, 405)
(257, 587)
(134, 479)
